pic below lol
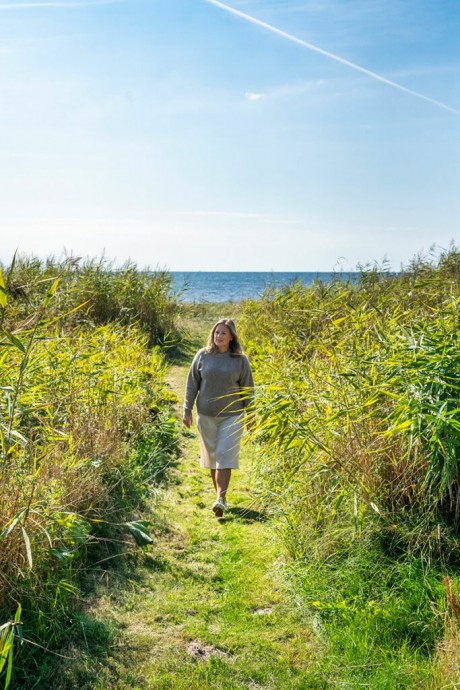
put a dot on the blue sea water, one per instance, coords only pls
(226, 286)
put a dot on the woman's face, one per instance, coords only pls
(222, 337)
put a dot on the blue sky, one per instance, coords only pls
(182, 135)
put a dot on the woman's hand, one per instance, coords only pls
(188, 420)
(250, 422)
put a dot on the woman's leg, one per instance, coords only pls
(226, 452)
(221, 478)
(222, 481)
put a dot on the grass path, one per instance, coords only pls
(206, 609)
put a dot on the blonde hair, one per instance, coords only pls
(234, 345)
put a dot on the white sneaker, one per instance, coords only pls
(219, 507)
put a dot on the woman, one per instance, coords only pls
(220, 381)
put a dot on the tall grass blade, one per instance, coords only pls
(3, 293)
(28, 547)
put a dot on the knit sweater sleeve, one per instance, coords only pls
(193, 385)
(247, 383)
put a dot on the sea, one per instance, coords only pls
(227, 286)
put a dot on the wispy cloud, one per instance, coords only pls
(222, 214)
(428, 70)
(56, 3)
(239, 215)
(296, 89)
(251, 96)
(291, 90)
(332, 56)
(145, 222)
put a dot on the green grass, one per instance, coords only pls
(205, 584)
(379, 618)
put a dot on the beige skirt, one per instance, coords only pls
(220, 439)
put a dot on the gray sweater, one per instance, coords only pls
(216, 381)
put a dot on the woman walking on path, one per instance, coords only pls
(220, 381)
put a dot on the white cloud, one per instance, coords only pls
(289, 90)
(251, 96)
(240, 215)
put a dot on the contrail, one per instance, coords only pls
(332, 56)
(56, 3)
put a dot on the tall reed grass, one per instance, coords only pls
(85, 428)
(358, 425)
(95, 292)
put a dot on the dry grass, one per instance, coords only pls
(446, 666)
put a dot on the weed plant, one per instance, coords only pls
(358, 426)
(94, 292)
(85, 428)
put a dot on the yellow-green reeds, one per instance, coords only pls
(358, 427)
(84, 428)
